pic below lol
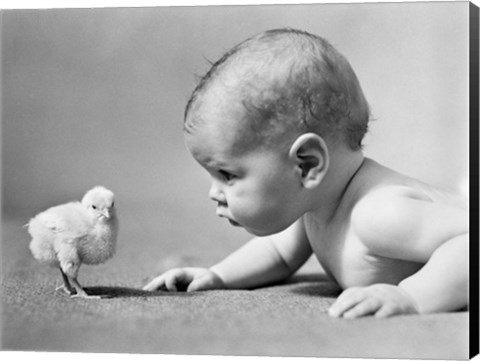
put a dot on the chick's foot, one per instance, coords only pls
(81, 292)
(86, 297)
(67, 290)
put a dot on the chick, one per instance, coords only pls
(70, 234)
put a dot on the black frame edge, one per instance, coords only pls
(474, 178)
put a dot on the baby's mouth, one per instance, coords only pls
(233, 223)
(223, 215)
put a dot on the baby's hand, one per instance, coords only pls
(381, 300)
(193, 279)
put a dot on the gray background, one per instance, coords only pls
(96, 96)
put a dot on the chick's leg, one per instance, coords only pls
(66, 287)
(70, 264)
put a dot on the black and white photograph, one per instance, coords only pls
(281, 180)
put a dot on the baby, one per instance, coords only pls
(278, 122)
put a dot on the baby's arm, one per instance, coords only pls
(261, 261)
(401, 223)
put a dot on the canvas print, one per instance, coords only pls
(256, 180)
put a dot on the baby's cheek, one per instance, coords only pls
(247, 212)
(262, 216)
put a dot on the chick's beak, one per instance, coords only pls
(106, 213)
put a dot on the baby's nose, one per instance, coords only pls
(216, 194)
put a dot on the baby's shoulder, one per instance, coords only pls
(385, 210)
(391, 195)
(379, 189)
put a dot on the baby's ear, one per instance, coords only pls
(309, 153)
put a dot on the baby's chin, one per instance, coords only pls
(260, 232)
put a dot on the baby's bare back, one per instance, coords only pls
(338, 244)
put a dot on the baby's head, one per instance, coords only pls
(276, 86)
(260, 122)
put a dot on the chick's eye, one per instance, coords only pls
(94, 207)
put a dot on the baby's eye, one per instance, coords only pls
(226, 175)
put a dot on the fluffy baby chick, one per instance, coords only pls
(70, 234)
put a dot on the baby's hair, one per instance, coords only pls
(289, 82)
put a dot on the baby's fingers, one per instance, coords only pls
(155, 284)
(387, 310)
(347, 300)
(178, 278)
(364, 308)
(205, 281)
(168, 280)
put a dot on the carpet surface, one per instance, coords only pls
(287, 319)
